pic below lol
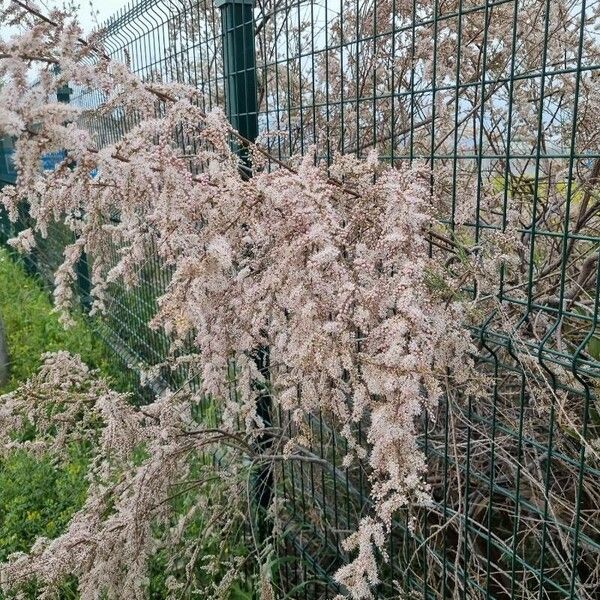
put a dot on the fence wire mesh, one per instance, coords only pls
(500, 99)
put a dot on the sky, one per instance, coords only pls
(104, 8)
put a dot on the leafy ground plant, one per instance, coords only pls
(32, 327)
(37, 496)
(41, 491)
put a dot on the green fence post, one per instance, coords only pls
(239, 68)
(239, 72)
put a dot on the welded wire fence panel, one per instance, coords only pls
(496, 98)
(500, 100)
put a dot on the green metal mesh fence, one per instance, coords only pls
(501, 99)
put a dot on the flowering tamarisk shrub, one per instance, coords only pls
(138, 458)
(336, 279)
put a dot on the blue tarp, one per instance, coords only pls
(7, 171)
(50, 160)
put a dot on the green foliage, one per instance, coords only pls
(37, 498)
(39, 495)
(225, 542)
(32, 328)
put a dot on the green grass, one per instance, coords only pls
(32, 328)
(38, 496)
